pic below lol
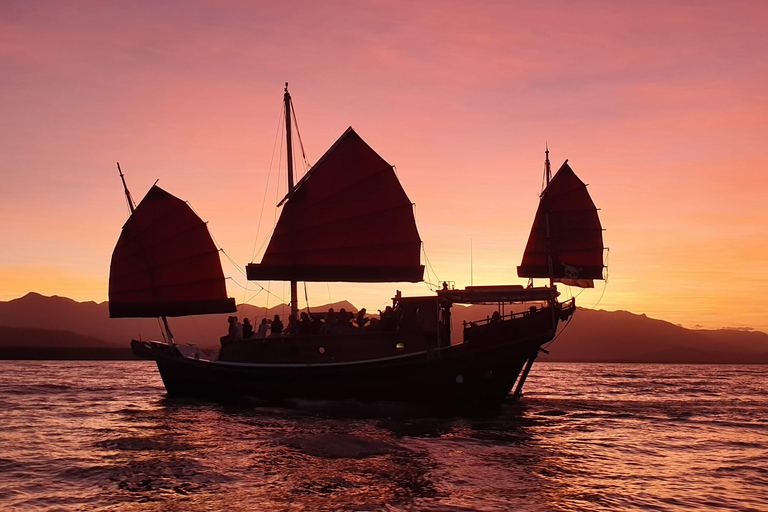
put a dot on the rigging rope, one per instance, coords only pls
(306, 297)
(298, 135)
(278, 135)
(162, 333)
(605, 281)
(605, 285)
(550, 342)
(242, 272)
(429, 265)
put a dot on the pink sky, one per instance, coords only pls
(662, 109)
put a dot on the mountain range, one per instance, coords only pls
(38, 327)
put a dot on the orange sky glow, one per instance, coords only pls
(662, 108)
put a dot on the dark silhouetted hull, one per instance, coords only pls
(457, 375)
(479, 372)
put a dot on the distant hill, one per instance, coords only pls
(621, 336)
(591, 336)
(29, 343)
(92, 319)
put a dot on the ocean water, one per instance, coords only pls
(593, 437)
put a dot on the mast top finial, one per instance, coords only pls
(286, 86)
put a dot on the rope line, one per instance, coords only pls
(298, 135)
(429, 265)
(278, 133)
(605, 285)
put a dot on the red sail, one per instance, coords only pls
(567, 228)
(165, 263)
(348, 219)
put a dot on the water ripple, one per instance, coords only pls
(103, 436)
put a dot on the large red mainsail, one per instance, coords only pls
(567, 229)
(165, 263)
(348, 219)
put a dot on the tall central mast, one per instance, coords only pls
(548, 172)
(289, 150)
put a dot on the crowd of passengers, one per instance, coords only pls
(332, 322)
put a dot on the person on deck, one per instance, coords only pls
(263, 328)
(344, 321)
(317, 325)
(330, 322)
(277, 327)
(232, 334)
(239, 327)
(361, 320)
(293, 326)
(247, 329)
(305, 324)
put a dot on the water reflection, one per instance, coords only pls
(93, 436)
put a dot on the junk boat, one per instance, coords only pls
(166, 264)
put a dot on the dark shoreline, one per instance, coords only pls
(66, 354)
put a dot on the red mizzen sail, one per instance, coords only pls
(348, 219)
(568, 229)
(165, 263)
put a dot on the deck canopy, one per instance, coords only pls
(348, 219)
(496, 294)
(566, 229)
(165, 263)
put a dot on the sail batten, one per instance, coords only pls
(348, 219)
(165, 263)
(566, 240)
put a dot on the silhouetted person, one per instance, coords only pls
(360, 319)
(247, 329)
(318, 326)
(344, 321)
(293, 326)
(330, 322)
(495, 317)
(305, 324)
(263, 328)
(277, 326)
(232, 334)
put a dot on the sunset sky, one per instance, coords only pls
(661, 107)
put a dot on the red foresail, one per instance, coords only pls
(165, 263)
(348, 219)
(568, 229)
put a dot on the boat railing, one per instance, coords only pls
(489, 319)
(568, 304)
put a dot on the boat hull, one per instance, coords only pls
(460, 375)
(479, 372)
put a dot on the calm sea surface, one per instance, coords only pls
(103, 436)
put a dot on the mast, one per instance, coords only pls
(289, 149)
(548, 172)
(127, 192)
